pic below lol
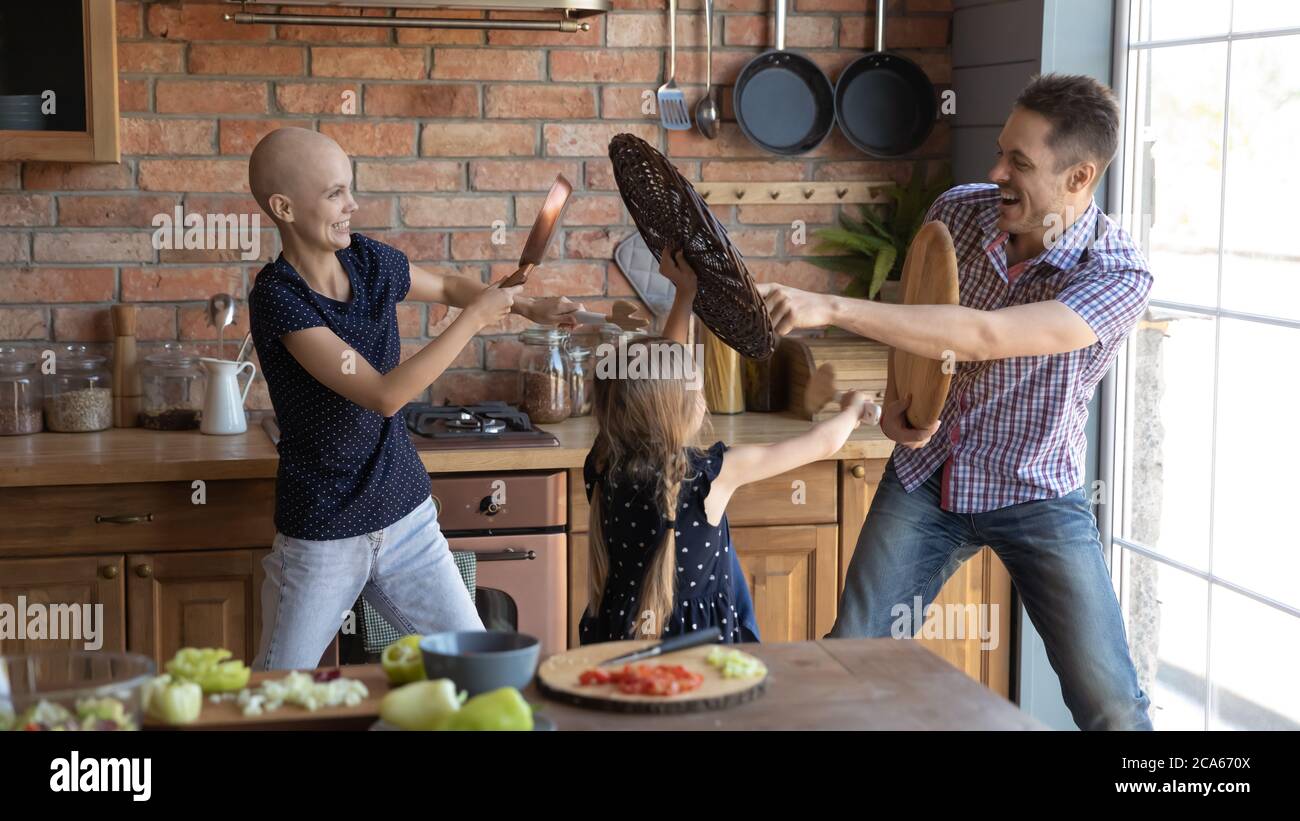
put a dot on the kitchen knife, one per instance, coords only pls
(672, 645)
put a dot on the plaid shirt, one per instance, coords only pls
(1013, 429)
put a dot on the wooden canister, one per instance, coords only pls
(724, 391)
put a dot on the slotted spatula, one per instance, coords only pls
(673, 113)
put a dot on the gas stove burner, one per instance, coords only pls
(475, 423)
(484, 425)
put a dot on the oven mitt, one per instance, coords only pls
(642, 270)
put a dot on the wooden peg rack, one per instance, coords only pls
(792, 193)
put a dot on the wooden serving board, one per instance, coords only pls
(558, 678)
(929, 278)
(228, 715)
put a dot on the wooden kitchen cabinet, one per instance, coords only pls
(981, 581)
(172, 567)
(65, 51)
(194, 599)
(138, 516)
(78, 580)
(791, 573)
(578, 564)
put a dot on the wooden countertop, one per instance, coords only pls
(842, 684)
(138, 455)
(839, 684)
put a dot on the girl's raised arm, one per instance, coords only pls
(673, 265)
(745, 464)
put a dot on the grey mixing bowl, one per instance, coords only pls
(481, 661)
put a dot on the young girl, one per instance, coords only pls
(662, 561)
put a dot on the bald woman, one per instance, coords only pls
(353, 515)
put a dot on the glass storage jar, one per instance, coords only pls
(20, 394)
(78, 395)
(544, 375)
(582, 372)
(173, 386)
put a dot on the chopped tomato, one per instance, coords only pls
(660, 680)
(594, 677)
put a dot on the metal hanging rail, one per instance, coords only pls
(408, 22)
(569, 14)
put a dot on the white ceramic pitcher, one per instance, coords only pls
(223, 407)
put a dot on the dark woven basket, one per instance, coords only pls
(666, 209)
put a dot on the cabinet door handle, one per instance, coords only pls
(144, 571)
(859, 472)
(109, 572)
(510, 554)
(124, 519)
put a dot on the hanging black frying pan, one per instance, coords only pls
(884, 103)
(783, 101)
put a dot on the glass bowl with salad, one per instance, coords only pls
(73, 690)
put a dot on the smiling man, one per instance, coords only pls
(1050, 288)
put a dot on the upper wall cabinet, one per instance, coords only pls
(58, 81)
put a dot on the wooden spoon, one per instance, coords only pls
(624, 315)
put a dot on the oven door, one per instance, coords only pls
(521, 584)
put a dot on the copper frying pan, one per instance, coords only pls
(539, 238)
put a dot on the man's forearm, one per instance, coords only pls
(925, 330)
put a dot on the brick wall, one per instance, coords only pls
(453, 130)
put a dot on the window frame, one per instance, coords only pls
(1116, 406)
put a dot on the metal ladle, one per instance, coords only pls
(221, 313)
(706, 110)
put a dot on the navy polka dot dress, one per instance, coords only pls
(344, 470)
(703, 558)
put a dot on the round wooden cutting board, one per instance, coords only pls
(929, 278)
(558, 678)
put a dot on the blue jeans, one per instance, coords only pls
(909, 546)
(405, 571)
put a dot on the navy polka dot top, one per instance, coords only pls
(704, 561)
(344, 470)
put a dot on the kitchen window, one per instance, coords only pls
(1204, 556)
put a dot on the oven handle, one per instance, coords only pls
(510, 554)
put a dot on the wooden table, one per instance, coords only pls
(843, 684)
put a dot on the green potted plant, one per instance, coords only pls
(870, 249)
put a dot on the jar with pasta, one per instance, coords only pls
(582, 375)
(20, 394)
